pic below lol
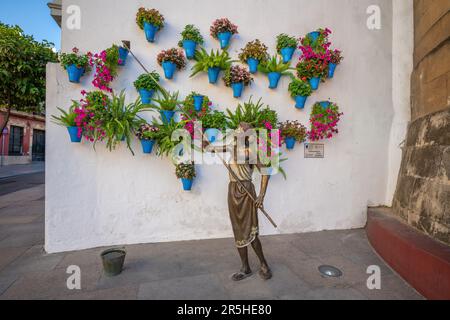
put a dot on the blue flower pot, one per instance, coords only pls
(167, 116)
(324, 104)
(187, 184)
(150, 31)
(224, 38)
(253, 65)
(314, 36)
(314, 82)
(290, 143)
(300, 102)
(123, 54)
(74, 73)
(147, 146)
(189, 47)
(287, 54)
(146, 95)
(169, 69)
(213, 75)
(274, 78)
(212, 135)
(198, 102)
(237, 89)
(331, 69)
(73, 132)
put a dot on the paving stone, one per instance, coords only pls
(204, 287)
(22, 240)
(122, 293)
(284, 284)
(33, 260)
(49, 285)
(392, 288)
(6, 282)
(8, 255)
(335, 294)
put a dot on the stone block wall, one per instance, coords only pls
(423, 191)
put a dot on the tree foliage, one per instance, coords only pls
(22, 70)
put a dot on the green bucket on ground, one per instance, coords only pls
(113, 260)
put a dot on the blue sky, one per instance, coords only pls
(33, 16)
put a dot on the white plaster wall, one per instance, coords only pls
(98, 198)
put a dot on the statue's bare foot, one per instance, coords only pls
(265, 273)
(241, 275)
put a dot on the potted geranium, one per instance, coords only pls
(274, 68)
(286, 46)
(335, 60)
(147, 134)
(171, 60)
(253, 54)
(151, 21)
(324, 120)
(213, 123)
(211, 63)
(147, 84)
(191, 37)
(195, 103)
(237, 77)
(292, 132)
(186, 173)
(166, 104)
(76, 64)
(300, 91)
(68, 119)
(313, 70)
(223, 30)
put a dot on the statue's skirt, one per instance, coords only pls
(243, 213)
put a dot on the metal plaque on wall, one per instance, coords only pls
(314, 151)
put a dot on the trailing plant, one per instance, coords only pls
(79, 60)
(214, 120)
(324, 122)
(312, 68)
(105, 65)
(191, 32)
(336, 57)
(255, 114)
(166, 101)
(148, 81)
(237, 74)
(221, 26)
(147, 131)
(174, 55)
(151, 16)
(92, 114)
(67, 118)
(299, 88)
(293, 129)
(285, 41)
(254, 49)
(185, 171)
(274, 64)
(215, 59)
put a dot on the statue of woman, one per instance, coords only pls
(243, 210)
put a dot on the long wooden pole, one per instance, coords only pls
(127, 46)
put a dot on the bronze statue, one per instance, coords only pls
(244, 210)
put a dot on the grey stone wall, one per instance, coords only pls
(423, 192)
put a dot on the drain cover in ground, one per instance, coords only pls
(330, 271)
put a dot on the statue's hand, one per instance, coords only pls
(259, 203)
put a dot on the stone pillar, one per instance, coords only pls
(423, 190)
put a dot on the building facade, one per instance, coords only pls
(23, 139)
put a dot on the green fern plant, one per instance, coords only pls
(67, 118)
(275, 64)
(166, 101)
